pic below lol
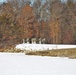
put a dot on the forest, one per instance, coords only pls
(54, 20)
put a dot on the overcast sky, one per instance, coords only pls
(2, 0)
(33, 0)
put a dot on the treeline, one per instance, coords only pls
(54, 20)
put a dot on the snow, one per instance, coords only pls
(42, 46)
(20, 64)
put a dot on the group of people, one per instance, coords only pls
(35, 40)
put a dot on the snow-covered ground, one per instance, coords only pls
(42, 46)
(20, 64)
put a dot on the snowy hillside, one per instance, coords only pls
(42, 46)
(20, 64)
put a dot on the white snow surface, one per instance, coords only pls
(20, 64)
(42, 46)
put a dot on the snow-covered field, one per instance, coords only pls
(42, 46)
(20, 64)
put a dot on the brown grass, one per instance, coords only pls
(11, 50)
(71, 53)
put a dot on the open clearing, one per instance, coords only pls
(55, 50)
(21, 64)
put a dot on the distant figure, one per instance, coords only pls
(27, 40)
(39, 40)
(23, 41)
(33, 40)
(43, 41)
